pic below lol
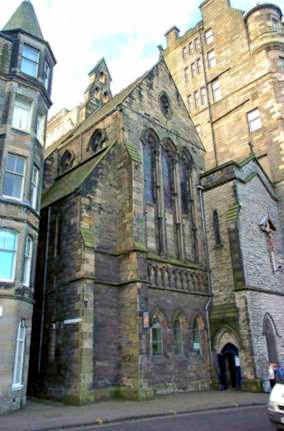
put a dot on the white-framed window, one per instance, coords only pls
(30, 61)
(14, 176)
(40, 128)
(8, 250)
(209, 37)
(190, 102)
(193, 69)
(190, 49)
(211, 58)
(186, 74)
(28, 254)
(198, 65)
(275, 24)
(281, 62)
(34, 187)
(22, 114)
(216, 90)
(196, 99)
(46, 74)
(19, 357)
(197, 44)
(203, 96)
(184, 52)
(254, 120)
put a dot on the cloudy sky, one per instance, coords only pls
(125, 32)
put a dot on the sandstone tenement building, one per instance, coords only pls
(229, 69)
(160, 263)
(26, 63)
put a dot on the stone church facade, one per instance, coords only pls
(122, 253)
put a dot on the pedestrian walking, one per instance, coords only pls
(271, 374)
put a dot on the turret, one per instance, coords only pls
(26, 64)
(264, 24)
(98, 92)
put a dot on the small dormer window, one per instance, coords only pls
(30, 61)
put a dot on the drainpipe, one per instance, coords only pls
(201, 199)
(44, 290)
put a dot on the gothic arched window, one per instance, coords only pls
(165, 105)
(156, 336)
(149, 167)
(67, 160)
(269, 333)
(167, 169)
(185, 192)
(196, 337)
(97, 140)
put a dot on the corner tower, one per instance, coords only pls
(26, 64)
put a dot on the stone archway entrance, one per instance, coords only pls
(229, 367)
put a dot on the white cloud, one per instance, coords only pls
(126, 33)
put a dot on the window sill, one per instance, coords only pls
(24, 131)
(7, 284)
(255, 132)
(17, 387)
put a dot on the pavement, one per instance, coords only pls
(43, 415)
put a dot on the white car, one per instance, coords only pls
(276, 406)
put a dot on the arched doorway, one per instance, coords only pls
(229, 367)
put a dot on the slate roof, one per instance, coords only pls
(69, 183)
(24, 18)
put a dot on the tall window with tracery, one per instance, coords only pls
(167, 168)
(156, 336)
(178, 336)
(185, 188)
(149, 169)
